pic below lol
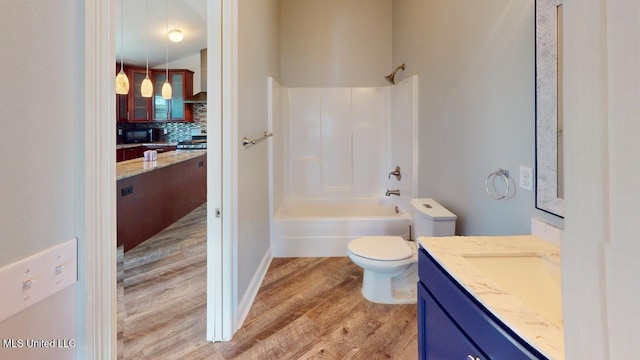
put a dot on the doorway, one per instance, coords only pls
(100, 254)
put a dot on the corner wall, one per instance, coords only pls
(476, 105)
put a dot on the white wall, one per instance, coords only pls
(258, 58)
(602, 126)
(41, 202)
(335, 43)
(476, 66)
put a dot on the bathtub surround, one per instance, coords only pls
(338, 145)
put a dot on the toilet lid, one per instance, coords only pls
(384, 248)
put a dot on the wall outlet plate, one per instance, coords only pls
(37, 277)
(526, 178)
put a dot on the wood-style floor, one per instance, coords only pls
(306, 308)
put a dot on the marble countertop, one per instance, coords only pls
(127, 146)
(543, 334)
(133, 167)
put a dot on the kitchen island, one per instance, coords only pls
(152, 195)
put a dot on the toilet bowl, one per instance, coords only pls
(390, 263)
(390, 267)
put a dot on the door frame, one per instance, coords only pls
(99, 253)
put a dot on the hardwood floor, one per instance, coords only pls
(306, 308)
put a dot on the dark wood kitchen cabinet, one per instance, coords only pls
(134, 108)
(130, 153)
(182, 87)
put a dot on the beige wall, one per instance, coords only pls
(335, 43)
(476, 107)
(42, 162)
(258, 58)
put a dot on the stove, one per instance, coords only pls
(192, 145)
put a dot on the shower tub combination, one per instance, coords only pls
(324, 227)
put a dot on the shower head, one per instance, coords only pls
(390, 77)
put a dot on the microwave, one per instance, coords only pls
(137, 136)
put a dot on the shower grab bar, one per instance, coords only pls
(246, 141)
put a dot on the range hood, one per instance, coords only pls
(201, 97)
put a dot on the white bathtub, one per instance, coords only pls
(324, 227)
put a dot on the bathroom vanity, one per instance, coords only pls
(489, 298)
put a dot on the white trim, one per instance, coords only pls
(250, 295)
(222, 286)
(230, 156)
(100, 182)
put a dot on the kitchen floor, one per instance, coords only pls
(306, 308)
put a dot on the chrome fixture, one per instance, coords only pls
(396, 173)
(395, 192)
(390, 77)
(246, 141)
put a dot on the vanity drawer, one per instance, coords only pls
(490, 335)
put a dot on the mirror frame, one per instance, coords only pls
(546, 50)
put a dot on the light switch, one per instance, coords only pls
(32, 279)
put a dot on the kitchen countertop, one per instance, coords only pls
(543, 334)
(127, 146)
(133, 167)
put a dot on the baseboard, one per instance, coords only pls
(250, 295)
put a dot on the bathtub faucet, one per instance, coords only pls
(393, 192)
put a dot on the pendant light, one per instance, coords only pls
(167, 92)
(122, 81)
(146, 88)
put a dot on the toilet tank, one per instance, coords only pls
(432, 219)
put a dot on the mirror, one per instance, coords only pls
(549, 124)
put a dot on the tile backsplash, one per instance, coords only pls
(174, 131)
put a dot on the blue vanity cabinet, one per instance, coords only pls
(446, 340)
(452, 324)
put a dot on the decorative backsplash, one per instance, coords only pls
(200, 115)
(175, 131)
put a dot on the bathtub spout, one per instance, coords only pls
(393, 192)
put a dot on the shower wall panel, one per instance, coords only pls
(337, 145)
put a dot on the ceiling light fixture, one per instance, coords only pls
(167, 92)
(146, 88)
(176, 35)
(122, 81)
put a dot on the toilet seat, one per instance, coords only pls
(381, 248)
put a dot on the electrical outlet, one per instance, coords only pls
(526, 178)
(127, 190)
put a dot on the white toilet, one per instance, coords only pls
(390, 263)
